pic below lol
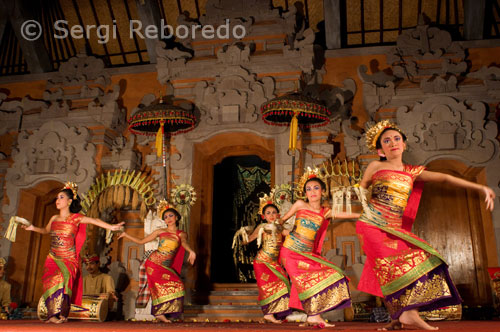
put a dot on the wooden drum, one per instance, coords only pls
(93, 308)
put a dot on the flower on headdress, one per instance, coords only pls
(71, 186)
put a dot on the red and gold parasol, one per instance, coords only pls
(297, 111)
(163, 120)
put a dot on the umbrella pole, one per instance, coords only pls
(293, 172)
(164, 153)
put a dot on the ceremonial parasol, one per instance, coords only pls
(163, 120)
(295, 110)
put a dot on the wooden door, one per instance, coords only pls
(451, 220)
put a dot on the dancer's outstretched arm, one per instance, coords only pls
(428, 176)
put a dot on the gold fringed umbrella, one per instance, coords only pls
(163, 120)
(295, 110)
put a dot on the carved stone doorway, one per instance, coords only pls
(456, 223)
(206, 155)
(28, 253)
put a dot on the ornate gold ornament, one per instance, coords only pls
(376, 130)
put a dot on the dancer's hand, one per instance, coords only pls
(192, 257)
(117, 227)
(122, 235)
(490, 197)
(28, 228)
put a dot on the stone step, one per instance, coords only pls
(244, 313)
(227, 297)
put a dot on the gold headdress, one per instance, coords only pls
(71, 186)
(163, 206)
(279, 196)
(2, 261)
(310, 173)
(374, 132)
(265, 200)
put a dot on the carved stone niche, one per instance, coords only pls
(122, 154)
(234, 97)
(442, 127)
(53, 152)
(88, 81)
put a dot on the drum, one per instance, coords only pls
(94, 308)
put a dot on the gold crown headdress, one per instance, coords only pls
(163, 206)
(2, 261)
(265, 200)
(71, 186)
(376, 130)
(309, 173)
(278, 196)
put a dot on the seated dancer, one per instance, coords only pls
(96, 282)
(163, 266)
(405, 270)
(317, 284)
(62, 282)
(272, 280)
(4, 289)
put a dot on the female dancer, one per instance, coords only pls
(410, 274)
(317, 283)
(163, 266)
(271, 278)
(62, 282)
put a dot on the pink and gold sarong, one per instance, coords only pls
(272, 280)
(401, 267)
(317, 284)
(163, 276)
(61, 280)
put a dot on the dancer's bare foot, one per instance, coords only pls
(163, 319)
(393, 325)
(271, 319)
(62, 320)
(412, 318)
(316, 321)
(52, 319)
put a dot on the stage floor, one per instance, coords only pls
(79, 326)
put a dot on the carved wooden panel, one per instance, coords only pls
(450, 220)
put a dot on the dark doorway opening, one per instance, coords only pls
(237, 183)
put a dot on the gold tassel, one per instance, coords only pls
(159, 140)
(294, 124)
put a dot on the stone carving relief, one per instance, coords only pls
(170, 62)
(234, 97)
(80, 79)
(122, 154)
(53, 152)
(442, 127)
(234, 54)
(79, 70)
(428, 51)
(426, 56)
(219, 10)
(11, 111)
(491, 80)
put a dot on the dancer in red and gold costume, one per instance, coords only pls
(272, 280)
(317, 284)
(62, 280)
(405, 270)
(163, 266)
